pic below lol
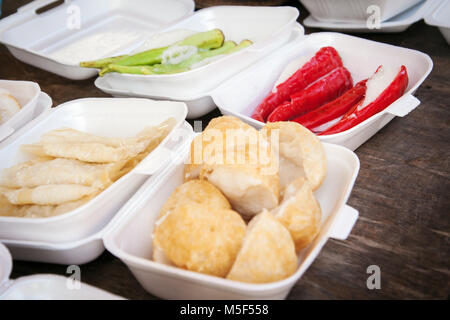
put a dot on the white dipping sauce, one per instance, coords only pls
(105, 44)
(96, 46)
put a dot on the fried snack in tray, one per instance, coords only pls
(267, 253)
(235, 158)
(193, 191)
(59, 181)
(59, 171)
(200, 238)
(199, 191)
(202, 149)
(299, 212)
(74, 144)
(299, 147)
(39, 211)
(50, 194)
(285, 215)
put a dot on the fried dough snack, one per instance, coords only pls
(193, 191)
(299, 148)
(38, 211)
(228, 154)
(185, 234)
(267, 253)
(299, 212)
(198, 191)
(70, 168)
(203, 149)
(200, 238)
(74, 144)
(52, 194)
(58, 171)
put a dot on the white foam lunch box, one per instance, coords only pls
(130, 240)
(268, 28)
(355, 10)
(112, 117)
(32, 102)
(240, 95)
(440, 17)
(91, 246)
(44, 286)
(33, 38)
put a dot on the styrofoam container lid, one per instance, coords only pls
(109, 27)
(44, 286)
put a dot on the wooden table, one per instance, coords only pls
(402, 193)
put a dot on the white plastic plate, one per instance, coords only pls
(398, 23)
(268, 27)
(439, 16)
(44, 286)
(32, 102)
(130, 238)
(354, 11)
(240, 95)
(110, 117)
(33, 38)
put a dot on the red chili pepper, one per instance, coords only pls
(335, 108)
(393, 91)
(320, 92)
(323, 62)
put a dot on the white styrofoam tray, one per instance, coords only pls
(130, 238)
(398, 23)
(439, 16)
(197, 105)
(90, 247)
(29, 96)
(268, 27)
(110, 117)
(32, 37)
(240, 95)
(355, 11)
(44, 286)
